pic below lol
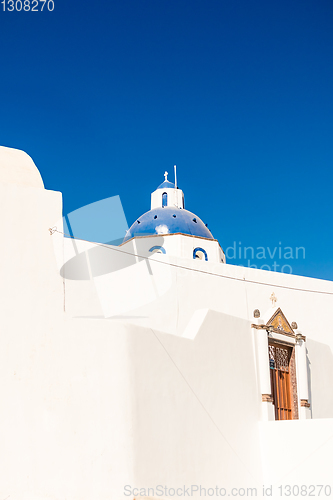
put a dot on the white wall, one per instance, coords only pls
(196, 407)
(90, 404)
(16, 167)
(296, 453)
(197, 285)
(65, 384)
(176, 245)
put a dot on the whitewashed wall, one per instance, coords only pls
(64, 384)
(165, 391)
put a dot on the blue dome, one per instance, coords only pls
(168, 220)
(166, 184)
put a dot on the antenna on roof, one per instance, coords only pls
(175, 167)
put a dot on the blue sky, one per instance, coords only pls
(107, 95)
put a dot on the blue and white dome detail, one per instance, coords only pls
(168, 215)
(168, 220)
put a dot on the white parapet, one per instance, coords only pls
(16, 167)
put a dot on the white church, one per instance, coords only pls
(153, 368)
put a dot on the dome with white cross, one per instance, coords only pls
(168, 215)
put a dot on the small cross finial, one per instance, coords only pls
(166, 175)
(273, 299)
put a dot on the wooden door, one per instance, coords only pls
(279, 361)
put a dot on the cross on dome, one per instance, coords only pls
(166, 175)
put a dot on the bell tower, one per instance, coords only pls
(167, 195)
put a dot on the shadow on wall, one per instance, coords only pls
(320, 377)
(101, 260)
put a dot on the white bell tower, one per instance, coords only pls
(167, 195)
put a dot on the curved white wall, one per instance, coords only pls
(16, 167)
